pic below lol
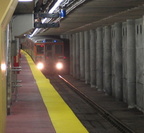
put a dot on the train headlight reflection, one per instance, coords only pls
(40, 66)
(59, 65)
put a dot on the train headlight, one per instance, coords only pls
(59, 65)
(40, 66)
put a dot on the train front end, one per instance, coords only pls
(49, 56)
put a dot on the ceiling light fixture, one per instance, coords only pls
(57, 4)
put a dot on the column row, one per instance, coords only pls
(110, 59)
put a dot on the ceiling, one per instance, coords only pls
(91, 14)
(24, 8)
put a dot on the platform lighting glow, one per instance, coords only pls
(40, 66)
(59, 65)
(3, 67)
(25, 0)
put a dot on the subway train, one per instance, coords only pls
(47, 53)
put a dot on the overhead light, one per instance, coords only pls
(46, 20)
(57, 4)
(25, 0)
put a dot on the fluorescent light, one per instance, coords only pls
(57, 4)
(35, 32)
(25, 0)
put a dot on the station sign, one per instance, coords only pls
(46, 15)
(46, 25)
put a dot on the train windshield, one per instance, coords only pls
(48, 50)
(58, 49)
(40, 49)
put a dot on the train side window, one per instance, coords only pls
(58, 49)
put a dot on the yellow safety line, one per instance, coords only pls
(62, 117)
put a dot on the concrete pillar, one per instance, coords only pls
(131, 63)
(99, 59)
(62, 36)
(142, 32)
(118, 61)
(82, 53)
(143, 52)
(74, 55)
(139, 64)
(7, 8)
(113, 59)
(87, 56)
(124, 61)
(107, 60)
(92, 58)
(71, 55)
(77, 56)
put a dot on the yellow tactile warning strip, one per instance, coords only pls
(62, 117)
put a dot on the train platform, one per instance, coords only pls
(38, 107)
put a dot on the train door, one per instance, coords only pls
(58, 50)
(59, 53)
(49, 57)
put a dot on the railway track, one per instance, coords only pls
(121, 127)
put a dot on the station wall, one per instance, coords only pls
(5, 15)
(113, 60)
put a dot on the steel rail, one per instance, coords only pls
(105, 114)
